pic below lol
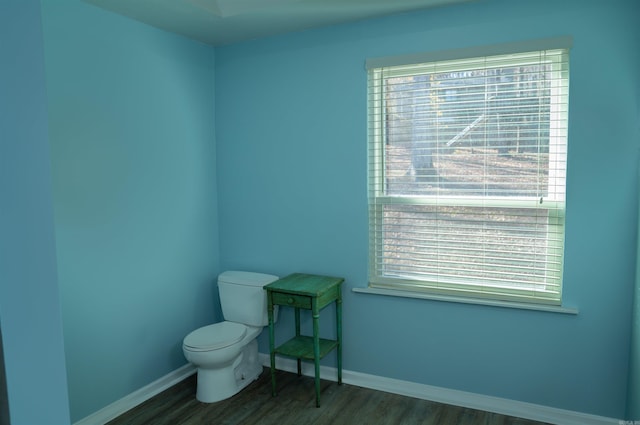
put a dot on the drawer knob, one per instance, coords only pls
(290, 300)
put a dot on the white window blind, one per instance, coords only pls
(467, 165)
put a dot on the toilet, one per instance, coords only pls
(226, 353)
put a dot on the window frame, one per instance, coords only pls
(378, 197)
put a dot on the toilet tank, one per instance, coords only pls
(243, 298)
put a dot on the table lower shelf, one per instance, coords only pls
(301, 347)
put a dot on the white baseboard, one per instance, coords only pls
(486, 403)
(137, 397)
(502, 406)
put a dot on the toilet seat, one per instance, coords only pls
(214, 337)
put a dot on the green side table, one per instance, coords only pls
(309, 292)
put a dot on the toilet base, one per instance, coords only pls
(219, 384)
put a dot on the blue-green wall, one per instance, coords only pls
(291, 137)
(31, 334)
(157, 142)
(633, 392)
(132, 130)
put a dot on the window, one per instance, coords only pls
(467, 165)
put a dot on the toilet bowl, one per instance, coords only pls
(226, 353)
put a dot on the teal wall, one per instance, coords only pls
(163, 149)
(131, 117)
(633, 392)
(4, 395)
(291, 138)
(32, 341)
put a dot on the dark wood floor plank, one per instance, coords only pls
(295, 405)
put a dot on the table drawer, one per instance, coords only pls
(299, 301)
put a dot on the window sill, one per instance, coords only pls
(477, 301)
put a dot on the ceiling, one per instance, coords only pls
(222, 22)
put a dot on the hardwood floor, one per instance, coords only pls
(295, 405)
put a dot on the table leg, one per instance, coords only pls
(297, 310)
(272, 348)
(339, 336)
(316, 347)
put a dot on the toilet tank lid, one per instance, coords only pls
(247, 278)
